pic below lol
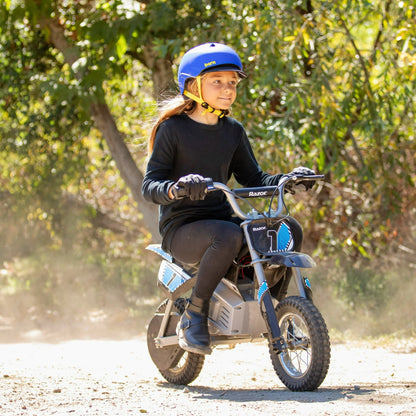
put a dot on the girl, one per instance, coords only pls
(192, 139)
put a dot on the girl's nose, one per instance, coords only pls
(229, 87)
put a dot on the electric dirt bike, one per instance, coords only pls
(251, 301)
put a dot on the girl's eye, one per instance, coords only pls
(232, 83)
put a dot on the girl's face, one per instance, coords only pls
(219, 89)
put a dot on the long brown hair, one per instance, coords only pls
(172, 107)
(177, 105)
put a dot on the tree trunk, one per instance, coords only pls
(125, 164)
(105, 123)
(161, 70)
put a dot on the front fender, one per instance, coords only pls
(292, 259)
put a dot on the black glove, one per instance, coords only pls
(192, 186)
(304, 171)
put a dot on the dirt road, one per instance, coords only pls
(92, 377)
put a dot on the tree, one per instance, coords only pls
(88, 43)
(331, 85)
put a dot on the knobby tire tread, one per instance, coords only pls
(193, 364)
(319, 338)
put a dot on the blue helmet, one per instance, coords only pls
(208, 57)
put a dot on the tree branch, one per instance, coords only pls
(377, 41)
(360, 57)
(104, 121)
(57, 38)
(101, 219)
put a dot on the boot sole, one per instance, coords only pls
(193, 348)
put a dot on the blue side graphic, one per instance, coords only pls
(172, 279)
(284, 237)
(262, 290)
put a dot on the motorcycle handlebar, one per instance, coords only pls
(257, 192)
(268, 191)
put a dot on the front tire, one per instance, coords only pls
(303, 365)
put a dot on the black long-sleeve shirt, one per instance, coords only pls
(183, 146)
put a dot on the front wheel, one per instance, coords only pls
(303, 365)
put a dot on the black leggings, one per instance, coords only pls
(213, 244)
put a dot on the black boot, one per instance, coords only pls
(193, 327)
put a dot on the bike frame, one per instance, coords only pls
(173, 277)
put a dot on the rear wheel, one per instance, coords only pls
(187, 369)
(174, 364)
(303, 365)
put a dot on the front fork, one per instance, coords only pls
(264, 298)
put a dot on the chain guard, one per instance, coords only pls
(166, 357)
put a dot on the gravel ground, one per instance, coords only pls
(117, 377)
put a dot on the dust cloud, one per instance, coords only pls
(60, 297)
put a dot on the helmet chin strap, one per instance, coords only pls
(199, 100)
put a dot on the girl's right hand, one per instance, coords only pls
(192, 186)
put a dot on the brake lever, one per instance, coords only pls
(290, 190)
(295, 181)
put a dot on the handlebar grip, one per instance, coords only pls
(318, 177)
(310, 177)
(210, 184)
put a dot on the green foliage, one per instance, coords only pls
(360, 287)
(67, 285)
(371, 300)
(331, 85)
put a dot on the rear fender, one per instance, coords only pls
(157, 248)
(173, 279)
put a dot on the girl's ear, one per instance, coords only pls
(192, 86)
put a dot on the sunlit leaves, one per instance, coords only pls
(121, 46)
(331, 85)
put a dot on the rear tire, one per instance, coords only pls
(304, 364)
(186, 371)
(189, 365)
